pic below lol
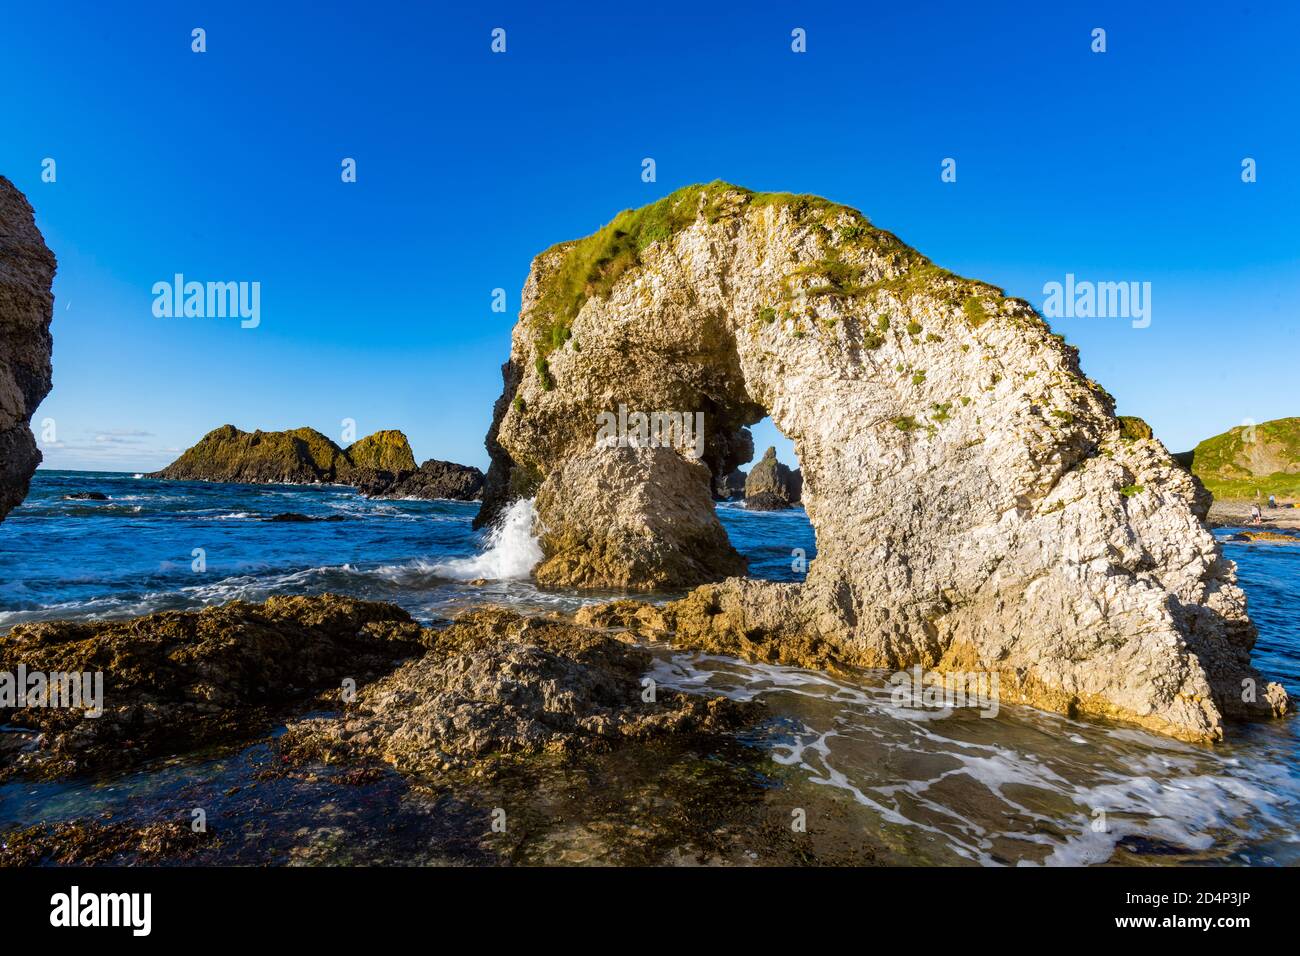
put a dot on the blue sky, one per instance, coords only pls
(376, 295)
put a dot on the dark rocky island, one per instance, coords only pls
(432, 480)
(379, 466)
(301, 456)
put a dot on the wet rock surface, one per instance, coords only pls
(498, 685)
(178, 680)
(92, 843)
(26, 308)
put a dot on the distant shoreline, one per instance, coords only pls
(1236, 513)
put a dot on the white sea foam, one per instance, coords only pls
(1017, 789)
(511, 553)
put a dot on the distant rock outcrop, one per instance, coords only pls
(771, 486)
(1250, 461)
(383, 451)
(978, 507)
(300, 456)
(433, 480)
(730, 487)
(26, 307)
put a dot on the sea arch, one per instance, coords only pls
(977, 504)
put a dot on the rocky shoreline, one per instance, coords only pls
(494, 710)
(1227, 513)
(492, 684)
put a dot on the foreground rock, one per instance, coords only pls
(178, 680)
(26, 307)
(298, 456)
(977, 503)
(497, 685)
(434, 481)
(771, 486)
(94, 843)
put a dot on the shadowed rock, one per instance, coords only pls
(26, 307)
(177, 680)
(977, 504)
(434, 480)
(730, 487)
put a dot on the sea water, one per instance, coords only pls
(917, 786)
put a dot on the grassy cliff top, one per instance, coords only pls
(590, 266)
(1263, 458)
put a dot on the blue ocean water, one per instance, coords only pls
(940, 787)
(138, 551)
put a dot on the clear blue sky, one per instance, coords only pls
(376, 295)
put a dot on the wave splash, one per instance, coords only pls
(511, 554)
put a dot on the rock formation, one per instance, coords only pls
(434, 480)
(297, 456)
(177, 680)
(382, 451)
(1250, 461)
(977, 505)
(771, 486)
(731, 486)
(495, 684)
(490, 684)
(26, 308)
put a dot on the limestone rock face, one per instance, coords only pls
(977, 504)
(26, 308)
(771, 485)
(631, 518)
